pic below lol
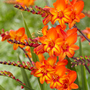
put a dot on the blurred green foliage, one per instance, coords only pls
(11, 18)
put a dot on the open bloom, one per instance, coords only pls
(49, 71)
(57, 42)
(18, 35)
(69, 46)
(77, 7)
(44, 69)
(61, 12)
(51, 41)
(68, 81)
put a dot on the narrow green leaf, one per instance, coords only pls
(83, 73)
(25, 77)
(1, 88)
(34, 56)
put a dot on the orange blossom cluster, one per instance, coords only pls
(64, 11)
(57, 42)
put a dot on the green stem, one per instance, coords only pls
(83, 73)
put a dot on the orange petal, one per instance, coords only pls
(74, 86)
(60, 70)
(71, 39)
(52, 34)
(46, 19)
(60, 5)
(20, 32)
(71, 31)
(12, 34)
(63, 62)
(82, 15)
(74, 47)
(78, 7)
(41, 57)
(72, 76)
(44, 30)
(42, 79)
(39, 49)
(51, 61)
(62, 56)
(70, 53)
(15, 46)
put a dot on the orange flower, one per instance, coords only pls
(49, 71)
(44, 69)
(18, 35)
(68, 46)
(61, 12)
(77, 7)
(25, 2)
(56, 76)
(51, 41)
(68, 81)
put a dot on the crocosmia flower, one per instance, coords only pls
(68, 81)
(25, 2)
(61, 12)
(69, 46)
(18, 35)
(51, 41)
(77, 7)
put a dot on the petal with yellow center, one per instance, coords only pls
(20, 32)
(44, 30)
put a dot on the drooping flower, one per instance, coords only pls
(77, 7)
(69, 46)
(18, 35)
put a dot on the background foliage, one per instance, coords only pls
(11, 18)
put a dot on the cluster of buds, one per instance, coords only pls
(24, 65)
(9, 74)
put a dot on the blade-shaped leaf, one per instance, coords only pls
(25, 77)
(1, 88)
(34, 56)
(83, 73)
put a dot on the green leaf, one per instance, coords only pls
(25, 78)
(83, 73)
(34, 57)
(1, 88)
